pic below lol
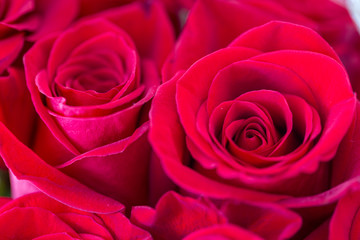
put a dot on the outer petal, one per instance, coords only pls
(88, 7)
(148, 26)
(345, 222)
(118, 170)
(16, 109)
(25, 165)
(53, 16)
(11, 47)
(9, 226)
(176, 216)
(197, 41)
(41, 51)
(15, 104)
(267, 220)
(37, 216)
(346, 164)
(274, 36)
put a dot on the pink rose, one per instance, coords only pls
(261, 119)
(178, 217)
(92, 86)
(38, 216)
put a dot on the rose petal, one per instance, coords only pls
(274, 36)
(218, 14)
(50, 180)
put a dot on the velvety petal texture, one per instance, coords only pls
(261, 119)
(22, 21)
(37, 17)
(92, 86)
(329, 19)
(345, 222)
(16, 109)
(36, 216)
(178, 217)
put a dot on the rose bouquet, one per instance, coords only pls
(155, 119)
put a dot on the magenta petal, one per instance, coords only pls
(4, 200)
(168, 127)
(49, 180)
(148, 26)
(248, 75)
(65, 221)
(345, 222)
(60, 105)
(189, 96)
(127, 229)
(70, 40)
(327, 197)
(96, 131)
(218, 14)
(52, 17)
(17, 8)
(83, 223)
(40, 51)
(265, 219)
(16, 107)
(43, 222)
(10, 49)
(118, 170)
(346, 163)
(337, 87)
(176, 216)
(275, 36)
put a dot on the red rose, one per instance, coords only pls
(178, 217)
(38, 216)
(261, 119)
(92, 86)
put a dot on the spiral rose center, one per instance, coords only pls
(251, 137)
(99, 72)
(263, 124)
(100, 69)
